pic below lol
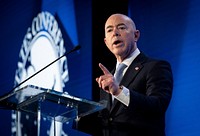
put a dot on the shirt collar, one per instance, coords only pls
(130, 58)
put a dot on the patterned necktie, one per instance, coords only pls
(119, 72)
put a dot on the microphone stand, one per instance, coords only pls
(74, 49)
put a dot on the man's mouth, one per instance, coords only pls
(117, 42)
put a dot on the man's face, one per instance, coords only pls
(120, 35)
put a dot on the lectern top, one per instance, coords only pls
(58, 105)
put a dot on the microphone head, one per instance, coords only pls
(77, 47)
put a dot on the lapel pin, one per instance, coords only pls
(136, 68)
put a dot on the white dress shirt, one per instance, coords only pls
(124, 96)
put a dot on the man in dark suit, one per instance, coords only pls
(136, 104)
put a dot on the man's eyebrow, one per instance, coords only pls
(121, 24)
(110, 26)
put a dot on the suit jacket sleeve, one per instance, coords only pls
(151, 89)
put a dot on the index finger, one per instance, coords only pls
(104, 69)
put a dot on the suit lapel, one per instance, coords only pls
(130, 75)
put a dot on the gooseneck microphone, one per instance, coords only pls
(65, 54)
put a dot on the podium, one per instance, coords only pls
(51, 104)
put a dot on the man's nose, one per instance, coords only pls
(116, 32)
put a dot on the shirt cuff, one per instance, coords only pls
(124, 96)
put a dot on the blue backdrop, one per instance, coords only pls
(169, 30)
(74, 21)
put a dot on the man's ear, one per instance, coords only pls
(105, 41)
(137, 35)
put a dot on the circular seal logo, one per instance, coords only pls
(42, 44)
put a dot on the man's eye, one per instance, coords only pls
(109, 30)
(122, 28)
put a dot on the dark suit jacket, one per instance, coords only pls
(150, 83)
